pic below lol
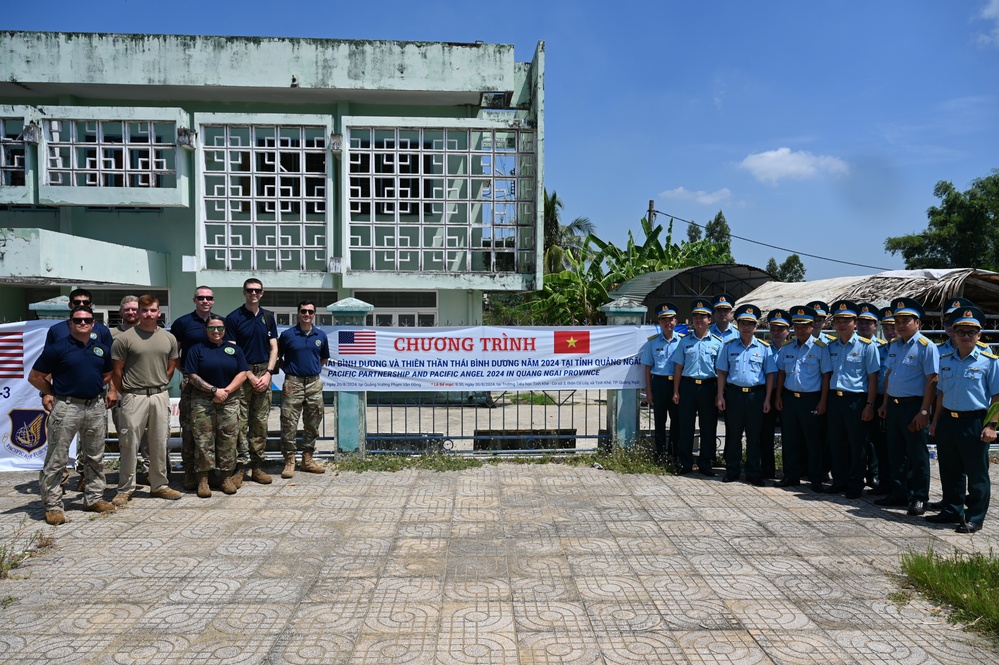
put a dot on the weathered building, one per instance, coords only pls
(405, 174)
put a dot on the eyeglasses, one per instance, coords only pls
(80, 301)
(965, 333)
(80, 321)
(306, 311)
(253, 290)
(204, 298)
(216, 328)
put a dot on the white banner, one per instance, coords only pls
(22, 419)
(483, 358)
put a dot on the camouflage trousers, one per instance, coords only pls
(66, 420)
(301, 397)
(187, 454)
(214, 428)
(254, 408)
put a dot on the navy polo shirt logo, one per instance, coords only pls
(99, 352)
(318, 343)
(230, 351)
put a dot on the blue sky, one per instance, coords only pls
(820, 127)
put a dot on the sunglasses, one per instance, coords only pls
(306, 311)
(965, 333)
(80, 301)
(216, 328)
(253, 290)
(204, 298)
(83, 321)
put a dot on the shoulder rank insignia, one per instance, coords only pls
(653, 337)
(865, 340)
(982, 344)
(821, 343)
(764, 342)
(990, 355)
(717, 337)
(924, 341)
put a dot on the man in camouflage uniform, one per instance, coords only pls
(302, 350)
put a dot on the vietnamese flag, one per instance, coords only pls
(572, 341)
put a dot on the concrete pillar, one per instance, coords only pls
(351, 406)
(622, 405)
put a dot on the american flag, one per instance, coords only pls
(356, 342)
(11, 356)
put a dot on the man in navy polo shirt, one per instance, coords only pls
(254, 329)
(80, 367)
(303, 351)
(190, 331)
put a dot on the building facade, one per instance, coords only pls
(405, 174)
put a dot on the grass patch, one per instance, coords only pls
(535, 398)
(435, 462)
(968, 583)
(7, 601)
(19, 546)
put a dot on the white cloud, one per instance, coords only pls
(990, 12)
(774, 165)
(700, 196)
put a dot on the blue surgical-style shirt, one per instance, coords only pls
(746, 366)
(851, 363)
(968, 383)
(909, 365)
(301, 352)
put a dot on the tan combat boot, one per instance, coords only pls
(204, 491)
(228, 486)
(258, 475)
(237, 476)
(309, 466)
(289, 466)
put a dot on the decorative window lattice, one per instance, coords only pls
(12, 168)
(265, 197)
(449, 200)
(111, 153)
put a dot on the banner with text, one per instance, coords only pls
(484, 358)
(22, 418)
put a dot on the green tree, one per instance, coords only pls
(963, 231)
(693, 232)
(560, 238)
(791, 270)
(717, 231)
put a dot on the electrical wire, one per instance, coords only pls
(783, 249)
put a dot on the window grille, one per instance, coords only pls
(111, 153)
(12, 166)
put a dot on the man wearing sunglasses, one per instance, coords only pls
(254, 329)
(303, 351)
(190, 331)
(79, 367)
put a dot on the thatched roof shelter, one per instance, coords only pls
(932, 288)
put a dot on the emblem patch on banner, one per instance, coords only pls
(27, 432)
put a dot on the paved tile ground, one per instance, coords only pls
(530, 564)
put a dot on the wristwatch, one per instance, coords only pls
(924, 412)
(214, 390)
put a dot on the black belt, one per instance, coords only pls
(847, 393)
(303, 379)
(78, 400)
(668, 377)
(700, 381)
(749, 389)
(904, 400)
(977, 413)
(145, 391)
(799, 394)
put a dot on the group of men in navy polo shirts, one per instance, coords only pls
(73, 375)
(847, 403)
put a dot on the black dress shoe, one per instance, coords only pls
(789, 482)
(759, 482)
(730, 479)
(818, 487)
(707, 472)
(892, 501)
(943, 518)
(936, 505)
(916, 508)
(835, 489)
(968, 527)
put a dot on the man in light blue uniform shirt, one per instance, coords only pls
(853, 388)
(656, 356)
(694, 391)
(801, 398)
(968, 385)
(877, 467)
(913, 364)
(746, 371)
(721, 326)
